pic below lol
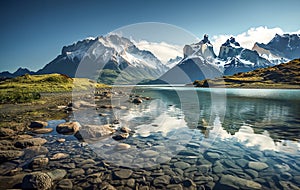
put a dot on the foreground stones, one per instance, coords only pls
(81, 168)
(68, 128)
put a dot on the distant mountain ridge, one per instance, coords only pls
(114, 58)
(21, 71)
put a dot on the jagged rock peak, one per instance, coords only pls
(205, 40)
(231, 42)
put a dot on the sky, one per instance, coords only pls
(33, 32)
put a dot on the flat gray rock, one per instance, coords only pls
(149, 153)
(238, 183)
(257, 165)
(182, 165)
(23, 143)
(161, 180)
(123, 173)
(57, 174)
(65, 184)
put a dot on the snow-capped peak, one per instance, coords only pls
(231, 43)
(116, 42)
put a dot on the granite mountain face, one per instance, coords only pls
(197, 64)
(117, 60)
(200, 62)
(234, 59)
(281, 48)
(106, 59)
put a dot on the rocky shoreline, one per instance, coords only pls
(56, 154)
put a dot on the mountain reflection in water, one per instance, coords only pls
(268, 119)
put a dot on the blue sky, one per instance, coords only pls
(33, 32)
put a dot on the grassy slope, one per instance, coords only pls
(286, 75)
(27, 88)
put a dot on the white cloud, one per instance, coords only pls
(247, 39)
(163, 51)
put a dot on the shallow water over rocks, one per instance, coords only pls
(175, 141)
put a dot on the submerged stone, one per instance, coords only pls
(257, 165)
(123, 173)
(238, 183)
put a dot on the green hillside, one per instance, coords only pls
(28, 87)
(285, 75)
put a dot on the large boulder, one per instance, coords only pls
(68, 128)
(94, 131)
(37, 180)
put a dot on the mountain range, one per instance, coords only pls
(117, 60)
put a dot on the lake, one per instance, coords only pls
(246, 138)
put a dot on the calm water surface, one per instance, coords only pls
(240, 126)
(246, 133)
